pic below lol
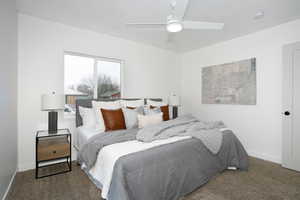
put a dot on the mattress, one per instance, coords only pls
(84, 134)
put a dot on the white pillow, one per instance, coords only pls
(88, 117)
(146, 120)
(133, 103)
(156, 103)
(130, 116)
(151, 111)
(97, 105)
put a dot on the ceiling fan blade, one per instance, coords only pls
(180, 8)
(146, 25)
(202, 25)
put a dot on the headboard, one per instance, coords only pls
(88, 104)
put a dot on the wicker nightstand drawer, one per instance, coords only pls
(52, 149)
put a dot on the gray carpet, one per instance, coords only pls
(263, 181)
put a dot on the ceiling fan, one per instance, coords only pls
(175, 21)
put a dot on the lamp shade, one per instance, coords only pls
(53, 102)
(174, 100)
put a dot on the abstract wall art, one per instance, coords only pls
(231, 83)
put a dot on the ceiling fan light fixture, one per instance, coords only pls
(174, 26)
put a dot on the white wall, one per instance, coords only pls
(8, 91)
(259, 126)
(148, 72)
(153, 72)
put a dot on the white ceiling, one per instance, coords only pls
(110, 16)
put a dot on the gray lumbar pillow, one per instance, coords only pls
(130, 116)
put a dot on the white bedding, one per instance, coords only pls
(84, 134)
(107, 157)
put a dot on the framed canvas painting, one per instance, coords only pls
(231, 83)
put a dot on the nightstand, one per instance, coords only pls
(54, 148)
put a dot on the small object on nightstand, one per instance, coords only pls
(53, 147)
(52, 103)
(174, 101)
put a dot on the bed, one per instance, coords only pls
(167, 169)
(83, 135)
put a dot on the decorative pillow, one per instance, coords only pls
(140, 109)
(132, 108)
(109, 105)
(164, 110)
(146, 120)
(88, 117)
(156, 103)
(130, 116)
(132, 103)
(113, 119)
(149, 111)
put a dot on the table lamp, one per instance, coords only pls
(174, 101)
(52, 103)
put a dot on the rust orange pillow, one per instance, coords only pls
(113, 119)
(165, 111)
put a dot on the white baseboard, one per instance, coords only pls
(266, 157)
(26, 166)
(9, 185)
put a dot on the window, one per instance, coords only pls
(89, 77)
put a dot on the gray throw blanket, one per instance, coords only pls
(187, 125)
(89, 152)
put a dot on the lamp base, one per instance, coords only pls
(52, 122)
(175, 112)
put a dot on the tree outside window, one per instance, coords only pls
(88, 77)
